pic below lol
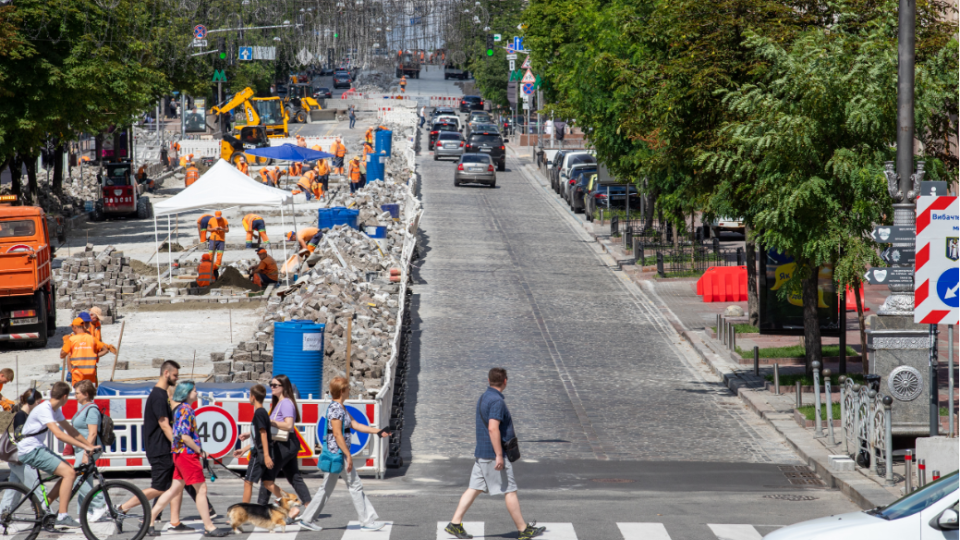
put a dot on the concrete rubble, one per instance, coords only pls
(88, 278)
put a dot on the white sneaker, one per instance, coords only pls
(373, 526)
(310, 526)
(96, 515)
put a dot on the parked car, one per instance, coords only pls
(435, 130)
(724, 223)
(448, 144)
(569, 178)
(608, 195)
(554, 168)
(929, 512)
(569, 160)
(579, 179)
(341, 79)
(475, 169)
(491, 143)
(322, 93)
(471, 103)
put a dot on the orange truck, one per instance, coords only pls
(27, 296)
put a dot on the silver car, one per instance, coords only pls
(449, 144)
(475, 169)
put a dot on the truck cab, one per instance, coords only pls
(27, 296)
(120, 195)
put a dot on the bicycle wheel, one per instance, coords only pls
(20, 513)
(101, 518)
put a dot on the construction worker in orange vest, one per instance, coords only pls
(266, 272)
(403, 84)
(368, 154)
(253, 224)
(192, 175)
(354, 174)
(305, 183)
(202, 222)
(339, 151)
(184, 160)
(322, 169)
(368, 136)
(317, 147)
(277, 173)
(85, 352)
(308, 238)
(218, 228)
(6, 376)
(265, 176)
(242, 166)
(95, 326)
(295, 169)
(301, 141)
(205, 271)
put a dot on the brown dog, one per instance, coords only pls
(265, 516)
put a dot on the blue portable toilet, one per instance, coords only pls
(298, 354)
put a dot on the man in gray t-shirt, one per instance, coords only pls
(491, 472)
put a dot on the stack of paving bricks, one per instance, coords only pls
(87, 279)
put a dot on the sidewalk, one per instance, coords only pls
(693, 319)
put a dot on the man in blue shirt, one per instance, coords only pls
(491, 472)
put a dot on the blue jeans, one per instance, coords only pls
(423, 119)
(353, 121)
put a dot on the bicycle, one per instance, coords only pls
(18, 517)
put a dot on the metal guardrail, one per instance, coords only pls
(866, 427)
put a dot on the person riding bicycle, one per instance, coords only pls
(18, 471)
(33, 451)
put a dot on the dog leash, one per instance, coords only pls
(213, 475)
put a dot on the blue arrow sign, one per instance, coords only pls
(358, 440)
(246, 53)
(517, 43)
(947, 287)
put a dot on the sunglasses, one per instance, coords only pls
(275, 385)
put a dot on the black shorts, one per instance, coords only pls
(161, 472)
(254, 471)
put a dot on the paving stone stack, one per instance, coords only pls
(87, 279)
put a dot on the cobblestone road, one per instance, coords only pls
(594, 372)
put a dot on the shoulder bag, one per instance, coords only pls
(511, 448)
(279, 435)
(329, 462)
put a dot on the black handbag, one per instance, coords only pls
(511, 448)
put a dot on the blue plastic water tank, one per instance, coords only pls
(383, 141)
(338, 215)
(374, 169)
(298, 354)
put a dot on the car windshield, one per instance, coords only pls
(444, 127)
(485, 139)
(475, 158)
(912, 503)
(581, 158)
(449, 137)
(583, 175)
(439, 112)
(14, 229)
(486, 127)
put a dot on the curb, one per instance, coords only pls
(860, 489)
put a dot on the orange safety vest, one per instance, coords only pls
(193, 174)
(354, 171)
(183, 161)
(369, 136)
(268, 266)
(95, 330)
(317, 147)
(243, 167)
(265, 176)
(248, 221)
(307, 234)
(306, 180)
(205, 273)
(367, 149)
(296, 169)
(213, 224)
(322, 168)
(338, 149)
(83, 349)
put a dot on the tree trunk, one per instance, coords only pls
(32, 186)
(16, 174)
(863, 327)
(811, 322)
(753, 298)
(58, 169)
(98, 146)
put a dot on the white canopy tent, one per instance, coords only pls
(220, 187)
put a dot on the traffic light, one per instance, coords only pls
(222, 47)
(489, 44)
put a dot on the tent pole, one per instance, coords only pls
(283, 225)
(169, 253)
(156, 244)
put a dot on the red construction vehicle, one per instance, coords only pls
(120, 194)
(27, 296)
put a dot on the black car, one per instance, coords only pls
(480, 116)
(608, 195)
(341, 79)
(491, 143)
(435, 130)
(581, 180)
(443, 111)
(322, 93)
(471, 103)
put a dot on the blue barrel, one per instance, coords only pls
(298, 354)
(394, 210)
(374, 168)
(376, 232)
(383, 142)
(327, 218)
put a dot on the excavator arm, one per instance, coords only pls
(242, 99)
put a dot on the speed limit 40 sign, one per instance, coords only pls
(217, 431)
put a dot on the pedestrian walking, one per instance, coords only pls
(492, 471)
(423, 115)
(339, 425)
(87, 422)
(259, 447)
(286, 445)
(352, 114)
(188, 469)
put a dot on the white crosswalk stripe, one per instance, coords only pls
(734, 532)
(558, 531)
(474, 528)
(643, 531)
(354, 532)
(264, 534)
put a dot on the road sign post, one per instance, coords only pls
(245, 53)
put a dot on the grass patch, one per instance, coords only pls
(688, 273)
(810, 413)
(794, 351)
(805, 380)
(743, 328)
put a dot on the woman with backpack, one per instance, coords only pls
(87, 421)
(23, 474)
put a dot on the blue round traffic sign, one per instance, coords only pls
(947, 287)
(527, 88)
(358, 440)
(199, 31)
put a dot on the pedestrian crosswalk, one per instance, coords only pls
(628, 531)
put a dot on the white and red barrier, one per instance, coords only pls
(444, 101)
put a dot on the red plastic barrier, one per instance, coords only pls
(723, 284)
(852, 302)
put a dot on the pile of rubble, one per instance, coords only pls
(370, 81)
(87, 279)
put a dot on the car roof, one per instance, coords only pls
(472, 97)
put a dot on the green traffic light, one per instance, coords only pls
(336, 35)
(223, 56)
(489, 52)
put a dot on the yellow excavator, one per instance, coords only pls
(300, 102)
(266, 112)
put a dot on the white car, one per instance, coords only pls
(926, 514)
(453, 119)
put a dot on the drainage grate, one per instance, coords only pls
(612, 480)
(799, 475)
(794, 498)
